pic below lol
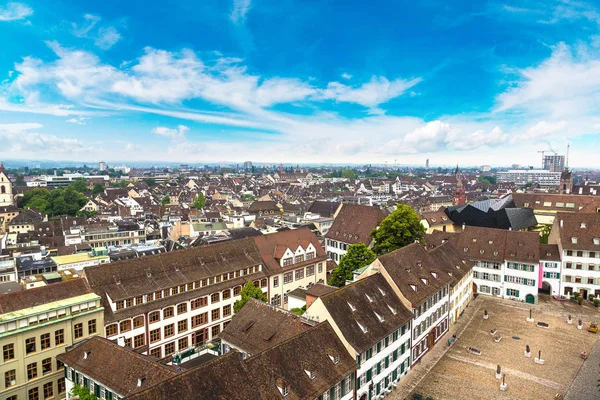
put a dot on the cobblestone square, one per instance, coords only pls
(459, 374)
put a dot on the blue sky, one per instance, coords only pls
(473, 82)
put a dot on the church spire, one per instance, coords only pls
(1, 167)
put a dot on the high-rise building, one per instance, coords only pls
(102, 166)
(554, 163)
(247, 165)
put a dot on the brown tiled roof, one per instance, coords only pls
(261, 206)
(408, 266)
(324, 208)
(584, 227)
(259, 326)
(34, 297)
(498, 245)
(354, 223)
(273, 245)
(549, 252)
(320, 289)
(231, 378)
(115, 367)
(449, 260)
(537, 200)
(438, 217)
(350, 306)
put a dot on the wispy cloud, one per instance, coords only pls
(23, 138)
(15, 11)
(78, 120)
(103, 36)
(239, 11)
(177, 133)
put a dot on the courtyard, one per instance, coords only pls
(460, 374)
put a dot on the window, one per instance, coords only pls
(169, 349)
(288, 277)
(569, 265)
(227, 310)
(125, 326)
(8, 352)
(237, 290)
(155, 335)
(138, 341)
(300, 274)
(310, 256)
(169, 330)
(111, 330)
(92, 326)
(215, 330)
(181, 308)
(580, 254)
(591, 281)
(201, 302)
(59, 337)
(182, 344)
(46, 366)
(48, 390)
(45, 341)
(139, 300)
(569, 252)
(10, 378)
(78, 331)
(33, 394)
(30, 345)
(310, 270)
(156, 352)
(298, 259)
(138, 322)
(215, 314)
(182, 326)
(168, 312)
(59, 365)
(320, 267)
(287, 261)
(215, 297)
(591, 267)
(60, 384)
(32, 371)
(275, 281)
(154, 316)
(198, 320)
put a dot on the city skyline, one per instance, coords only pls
(326, 83)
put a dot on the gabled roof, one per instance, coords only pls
(324, 208)
(370, 303)
(231, 378)
(46, 294)
(354, 223)
(259, 326)
(449, 260)
(579, 231)
(408, 267)
(116, 367)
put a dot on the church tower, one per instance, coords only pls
(460, 196)
(6, 193)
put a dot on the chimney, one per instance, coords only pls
(121, 341)
(463, 227)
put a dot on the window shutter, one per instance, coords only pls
(517, 293)
(508, 292)
(505, 278)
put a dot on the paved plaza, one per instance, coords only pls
(455, 373)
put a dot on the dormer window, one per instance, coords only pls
(474, 240)
(362, 328)
(596, 241)
(583, 225)
(495, 253)
(333, 356)
(369, 298)
(352, 307)
(481, 251)
(379, 317)
(434, 274)
(424, 280)
(381, 291)
(283, 386)
(573, 239)
(466, 249)
(392, 309)
(432, 219)
(413, 287)
(309, 370)
(491, 242)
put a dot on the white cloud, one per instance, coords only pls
(104, 37)
(15, 11)
(78, 120)
(346, 76)
(177, 133)
(107, 37)
(19, 138)
(239, 11)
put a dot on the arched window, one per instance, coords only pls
(2, 189)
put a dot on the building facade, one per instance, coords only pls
(529, 176)
(36, 326)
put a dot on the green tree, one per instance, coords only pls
(150, 182)
(400, 228)
(358, 256)
(166, 200)
(98, 188)
(79, 185)
(199, 201)
(545, 233)
(83, 393)
(348, 174)
(56, 202)
(19, 180)
(249, 291)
